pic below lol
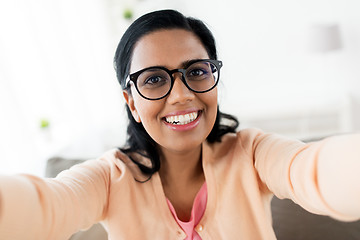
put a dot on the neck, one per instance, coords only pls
(181, 169)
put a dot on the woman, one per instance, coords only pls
(184, 173)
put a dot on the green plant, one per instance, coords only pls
(44, 123)
(128, 14)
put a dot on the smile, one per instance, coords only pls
(182, 119)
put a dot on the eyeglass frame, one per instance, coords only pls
(134, 76)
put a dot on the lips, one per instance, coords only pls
(182, 119)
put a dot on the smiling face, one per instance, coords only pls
(181, 121)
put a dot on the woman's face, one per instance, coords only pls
(171, 49)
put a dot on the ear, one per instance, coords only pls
(130, 102)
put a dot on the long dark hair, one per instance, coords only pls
(139, 141)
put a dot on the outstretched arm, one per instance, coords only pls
(36, 208)
(323, 177)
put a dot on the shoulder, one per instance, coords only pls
(255, 140)
(122, 164)
(248, 143)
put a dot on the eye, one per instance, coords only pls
(196, 72)
(153, 80)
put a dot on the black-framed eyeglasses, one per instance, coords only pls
(155, 83)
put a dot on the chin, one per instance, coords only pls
(184, 147)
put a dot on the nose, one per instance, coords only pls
(180, 93)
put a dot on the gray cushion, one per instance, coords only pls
(290, 221)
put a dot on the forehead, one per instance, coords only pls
(168, 48)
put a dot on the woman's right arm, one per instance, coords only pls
(37, 208)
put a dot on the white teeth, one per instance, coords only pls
(182, 119)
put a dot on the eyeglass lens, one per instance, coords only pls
(156, 82)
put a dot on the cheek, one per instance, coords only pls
(149, 116)
(142, 111)
(147, 110)
(211, 99)
(212, 105)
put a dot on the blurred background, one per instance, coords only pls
(291, 67)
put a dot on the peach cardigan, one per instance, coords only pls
(242, 174)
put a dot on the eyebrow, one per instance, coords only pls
(187, 63)
(184, 64)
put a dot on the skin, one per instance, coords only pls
(181, 170)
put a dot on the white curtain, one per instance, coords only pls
(56, 65)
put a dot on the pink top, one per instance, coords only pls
(197, 212)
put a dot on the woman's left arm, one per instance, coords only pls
(338, 174)
(323, 176)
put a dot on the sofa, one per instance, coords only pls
(290, 221)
